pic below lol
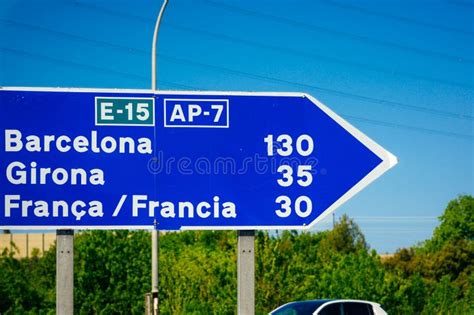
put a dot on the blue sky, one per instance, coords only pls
(400, 71)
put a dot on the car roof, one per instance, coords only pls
(351, 300)
(314, 304)
(319, 303)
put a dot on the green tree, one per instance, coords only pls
(198, 271)
(334, 264)
(346, 237)
(442, 266)
(112, 272)
(457, 223)
(23, 287)
(443, 298)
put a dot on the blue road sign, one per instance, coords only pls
(104, 159)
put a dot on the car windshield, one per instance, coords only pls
(299, 308)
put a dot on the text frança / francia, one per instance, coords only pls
(30, 173)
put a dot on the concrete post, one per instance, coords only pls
(64, 272)
(246, 273)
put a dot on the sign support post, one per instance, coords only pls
(154, 270)
(155, 234)
(246, 272)
(64, 272)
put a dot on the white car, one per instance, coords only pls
(330, 307)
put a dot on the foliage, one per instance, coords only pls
(457, 223)
(445, 263)
(345, 238)
(110, 268)
(25, 284)
(198, 271)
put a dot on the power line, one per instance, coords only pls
(312, 27)
(259, 77)
(405, 19)
(320, 89)
(253, 44)
(462, 3)
(408, 127)
(397, 230)
(391, 219)
(317, 57)
(128, 75)
(396, 219)
(189, 87)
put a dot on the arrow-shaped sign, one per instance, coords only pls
(81, 158)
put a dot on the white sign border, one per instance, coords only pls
(388, 159)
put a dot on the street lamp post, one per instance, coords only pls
(155, 234)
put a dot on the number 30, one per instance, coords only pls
(285, 206)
